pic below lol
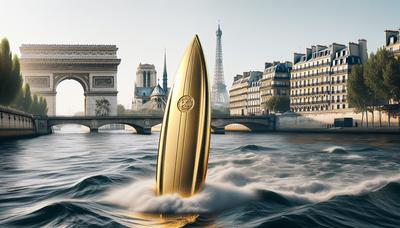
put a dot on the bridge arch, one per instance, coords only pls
(53, 127)
(254, 124)
(137, 128)
(49, 125)
(237, 127)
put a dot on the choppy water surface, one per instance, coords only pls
(267, 180)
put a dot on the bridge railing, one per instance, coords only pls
(216, 116)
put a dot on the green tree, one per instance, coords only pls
(19, 100)
(359, 94)
(278, 104)
(373, 73)
(35, 105)
(43, 106)
(27, 98)
(391, 77)
(26, 102)
(10, 76)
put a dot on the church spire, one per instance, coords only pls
(165, 75)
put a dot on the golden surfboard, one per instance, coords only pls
(185, 133)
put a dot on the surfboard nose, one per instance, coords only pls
(185, 133)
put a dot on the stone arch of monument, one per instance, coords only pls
(95, 67)
(82, 79)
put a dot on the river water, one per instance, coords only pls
(267, 180)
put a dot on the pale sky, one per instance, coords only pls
(254, 31)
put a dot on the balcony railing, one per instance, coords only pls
(311, 75)
(309, 103)
(312, 84)
(312, 66)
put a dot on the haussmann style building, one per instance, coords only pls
(244, 96)
(319, 76)
(275, 82)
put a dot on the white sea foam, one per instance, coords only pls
(231, 184)
(356, 189)
(335, 149)
(140, 197)
(354, 157)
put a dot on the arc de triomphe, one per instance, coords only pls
(44, 66)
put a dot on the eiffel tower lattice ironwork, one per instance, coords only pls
(219, 94)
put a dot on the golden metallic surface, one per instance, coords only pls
(185, 133)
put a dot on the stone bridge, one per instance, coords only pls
(143, 124)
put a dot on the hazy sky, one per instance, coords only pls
(253, 31)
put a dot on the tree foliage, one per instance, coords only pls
(10, 76)
(278, 104)
(358, 93)
(31, 104)
(373, 74)
(11, 91)
(376, 84)
(391, 79)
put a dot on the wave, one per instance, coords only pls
(320, 191)
(354, 157)
(335, 150)
(54, 214)
(378, 208)
(252, 147)
(224, 194)
(147, 157)
(342, 150)
(92, 185)
(141, 197)
(307, 205)
(368, 208)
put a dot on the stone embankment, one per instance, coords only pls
(324, 122)
(14, 124)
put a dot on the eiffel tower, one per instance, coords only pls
(219, 95)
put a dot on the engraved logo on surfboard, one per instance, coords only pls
(185, 103)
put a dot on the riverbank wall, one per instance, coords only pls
(324, 121)
(17, 124)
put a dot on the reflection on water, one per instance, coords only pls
(273, 180)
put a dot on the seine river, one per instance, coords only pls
(268, 180)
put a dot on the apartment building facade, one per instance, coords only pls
(244, 98)
(319, 76)
(253, 98)
(275, 82)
